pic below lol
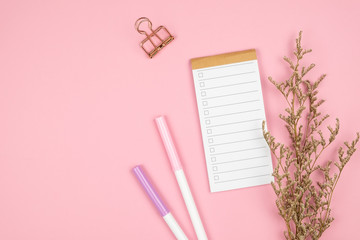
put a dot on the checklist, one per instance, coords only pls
(231, 111)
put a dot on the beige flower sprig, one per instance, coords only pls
(303, 202)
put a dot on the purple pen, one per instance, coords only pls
(155, 198)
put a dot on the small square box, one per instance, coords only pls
(202, 84)
(215, 168)
(200, 74)
(207, 122)
(205, 103)
(212, 150)
(211, 140)
(209, 131)
(213, 159)
(216, 177)
(206, 112)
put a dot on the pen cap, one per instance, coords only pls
(168, 143)
(150, 190)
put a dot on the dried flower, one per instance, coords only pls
(304, 203)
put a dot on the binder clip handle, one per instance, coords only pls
(141, 20)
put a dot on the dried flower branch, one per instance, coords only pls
(302, 203)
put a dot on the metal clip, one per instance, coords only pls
(153, 34)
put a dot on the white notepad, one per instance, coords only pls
(231, 111)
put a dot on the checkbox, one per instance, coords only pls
(206, 112)
(202, 84)
(215, 168)
(216, 177)
(209, 131)
(207, 122)
(203, 93)
(211, 140)
(205, 103)
(213, 159)
(212, 150)
(200, 75)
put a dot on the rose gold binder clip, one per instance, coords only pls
(157, 43)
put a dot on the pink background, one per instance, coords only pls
(78, 98)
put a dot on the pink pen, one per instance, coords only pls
(180, 177)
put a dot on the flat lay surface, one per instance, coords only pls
(79, 98)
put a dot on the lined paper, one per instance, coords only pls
(231, 111)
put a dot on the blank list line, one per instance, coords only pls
(240, 169)
(242, 150)
(232, 104)
(243, 178)
(245, 140)
(221, 115)
(232, 94)
(229, 85)
(239, 160)
(221, 134)
(251, 120)
(224, 76)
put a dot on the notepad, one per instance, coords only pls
(231, 111)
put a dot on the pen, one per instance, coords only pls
(180, 177)
(164, 212)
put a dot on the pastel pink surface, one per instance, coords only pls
(78, 99)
